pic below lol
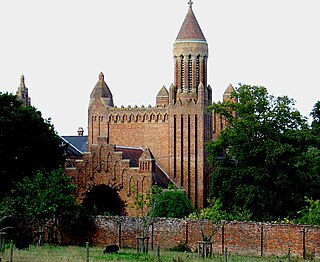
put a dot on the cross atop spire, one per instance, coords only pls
(190, 3)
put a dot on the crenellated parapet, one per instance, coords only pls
(129, 107)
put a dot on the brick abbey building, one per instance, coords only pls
(128, 150)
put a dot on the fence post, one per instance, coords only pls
(11, 251)
(222, 238)
(261, 241)
(120, 235)
(226, 255)
(152, 235)
(87, 251)
(304, 242)
(289, 255)
(187, 234)
(158, 254)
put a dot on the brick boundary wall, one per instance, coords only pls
(245, 238)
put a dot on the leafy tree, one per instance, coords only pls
(28, 143)
(46, 197)
(171, 203)
(44, 202)
(315, 113)
(267, 159)
(213, 212)
(310, 214)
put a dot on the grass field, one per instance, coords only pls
(78, 254)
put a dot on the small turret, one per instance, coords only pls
(102, 91)
(80, 131)
(22, 93)
(209, 90)
(172, 94)
(227, 95)
(162, 99)
(201, 94)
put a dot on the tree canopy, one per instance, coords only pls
(267, 158)
(28, 143)
(315, 113)
(44, 202)
(46, 196)
(171, 203)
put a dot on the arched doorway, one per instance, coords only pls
(103, 200)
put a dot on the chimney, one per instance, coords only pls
(80, 131)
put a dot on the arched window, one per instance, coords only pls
(158, 118)
(189, 73)
(197, 70)
(125, 118)
(131, 118)
(182, 73)
(131, 186)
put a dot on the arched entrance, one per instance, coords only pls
(103, 200)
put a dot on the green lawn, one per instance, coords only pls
(78, 254)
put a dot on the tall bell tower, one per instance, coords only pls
(190, 52)
(189, 124)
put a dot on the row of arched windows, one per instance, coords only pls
(134, 187)
(145, 166)
(138, 118)
(189, 62)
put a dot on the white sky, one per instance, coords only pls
(61, 46)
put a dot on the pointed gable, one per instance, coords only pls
(146, 155)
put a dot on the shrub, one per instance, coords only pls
(171, 204)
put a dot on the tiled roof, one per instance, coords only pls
(160, 178)
(190, 29)
(132, 153)
(76, 145)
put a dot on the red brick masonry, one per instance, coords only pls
(246, 238)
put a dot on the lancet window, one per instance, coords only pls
(182, 73)
(197, 70)
(189, 73)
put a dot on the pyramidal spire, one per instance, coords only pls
(102, 91)
(22, 93)
(228, 93)
(190, 29)
(22, 83)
